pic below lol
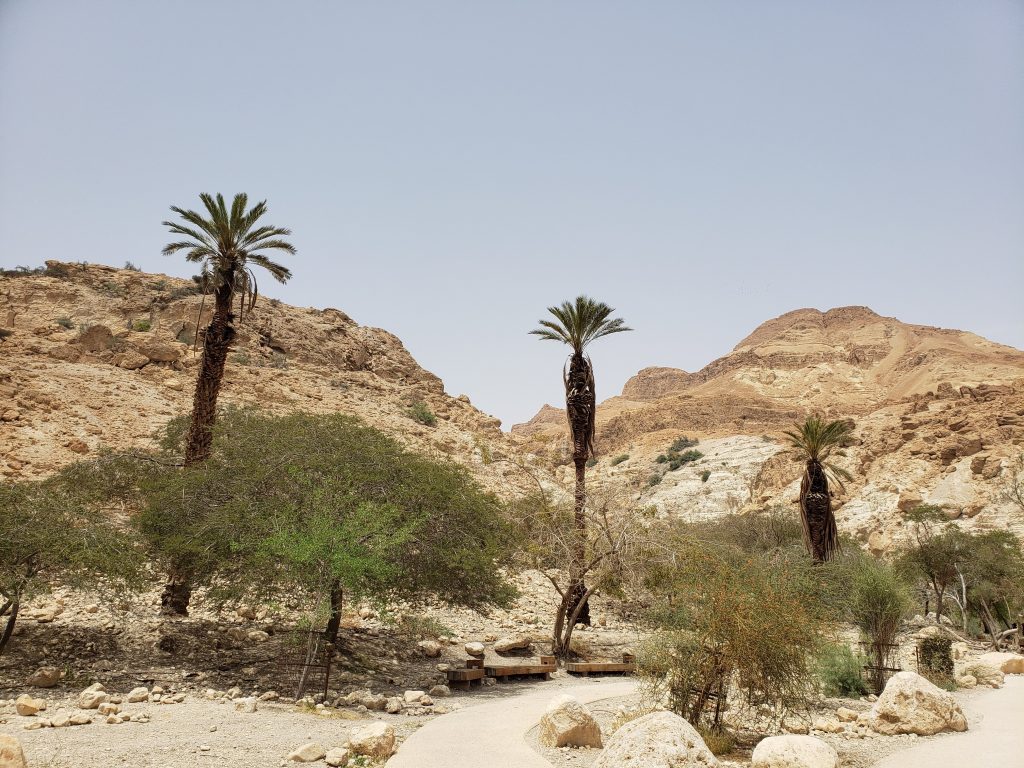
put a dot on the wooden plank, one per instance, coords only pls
(461, 675)
(510, 670)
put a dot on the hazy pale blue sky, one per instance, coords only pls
(449, 169)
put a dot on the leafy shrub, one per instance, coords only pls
(131, 267)
(719, 740)
(682, 444)
(65, 322)
(59, 271)
(619, 459)
(662, 458)
(935, 656)
(141, 325)
(21, 271)
(111, 288)
(591, 462)
(242, 358)
(420, 411)
(705, 475)
(840, 671)
(420, 627)
(879, 601)
(653, 480)
(5, 333)
(279, 360)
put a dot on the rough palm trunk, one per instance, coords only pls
(820, 531)
(199, 438)
(580, 403)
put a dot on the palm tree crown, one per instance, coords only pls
(580, 323)
(228, 241)
(814, 441)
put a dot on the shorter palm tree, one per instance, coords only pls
(813, 443)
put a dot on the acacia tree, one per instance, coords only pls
(936, 555)
(813, 442)
(577, 324)
(49, 529)
(226, 244)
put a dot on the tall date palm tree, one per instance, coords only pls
(577, 324)
(813, 443)
(227, 243)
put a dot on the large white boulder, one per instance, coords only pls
(374, 740)
(911, 704)
(567, 723)
(794, 752)
(307, 753)
(11, 754)
(657, 740)
(1008, 663)
(507, 644)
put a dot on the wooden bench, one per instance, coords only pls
(625, 667)
(506, 671)
(464, 678)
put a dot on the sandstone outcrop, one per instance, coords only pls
(567, 723)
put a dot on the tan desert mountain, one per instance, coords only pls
(939, 419)
(92, 355)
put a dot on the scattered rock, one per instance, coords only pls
(846, 715)
(657, 740)
(137, 695)
(413, 697)
(986, 673)
(911, 704)
(430, 648)
(440, 691)
(393, 705)
(475, 649)
(374, 740)
(307, 753)
(26, 706)
(567, 723)
(92, 697)
(794, 752)
(246, 705)
(967, 681)
(338, 756)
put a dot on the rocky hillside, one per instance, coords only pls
(939, 418)
(91, 355)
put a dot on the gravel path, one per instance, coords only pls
(493, 735)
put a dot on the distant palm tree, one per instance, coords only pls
(578, 324)
(225, 244)
(813, 443)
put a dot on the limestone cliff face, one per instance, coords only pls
(97, 356)
(939, 418)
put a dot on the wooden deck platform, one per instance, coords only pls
(464, 678)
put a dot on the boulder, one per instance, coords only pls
(337, 756)
(475, 649)
(413, 697)
(986, 673)
(430, 648)
(911, 704)
(967, 681)
(1008, 663)
(130, 360)
(567, 723)
(160, 351)
(96, 338)
(440, 691)
(246, 705)
(26, 706)
(11, 753)
(794, 752)
(657, 740)
(846, 715)
(373, 740)
(307, 753)
(507, 644)
(92, 697)
(393, 705)
(137, 695)
(45, 677)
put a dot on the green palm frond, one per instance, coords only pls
(579, 323)
(815, 439)
(225, 243)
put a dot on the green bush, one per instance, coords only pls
(682, 444)
(653, 480)
(662, 458)
(111, 288)
(840, 671)
(591, 462)
(705, 475)
(141, 325)
(420, 411)
(619, 459)
(719, 740)
(65, 322)
(131, 267)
